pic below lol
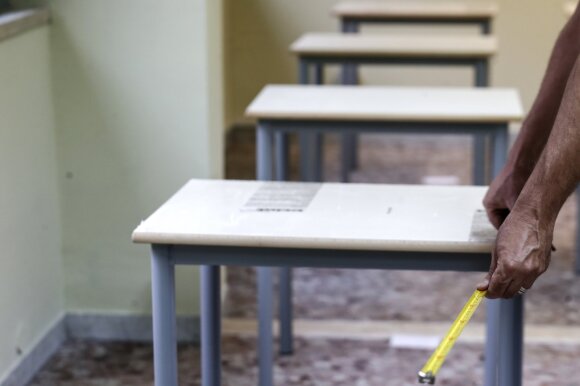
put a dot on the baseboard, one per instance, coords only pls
(84, 326)
(23, 373)
(127, 328)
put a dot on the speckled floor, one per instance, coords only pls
(351, 294)
(317, 362)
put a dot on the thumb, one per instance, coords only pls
(484, 284)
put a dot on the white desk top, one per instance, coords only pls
(570, 7)
(410, 104)
(406, 9)
(395, 45)
(333, 216)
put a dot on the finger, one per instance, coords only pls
(497, 216)
(497, 286)
(484, 284)
(494, 219)
(529, 282)
(513, 289)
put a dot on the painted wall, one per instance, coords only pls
(31, 296)
(258, 33)
(137, 93)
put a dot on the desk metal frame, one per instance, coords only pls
(309, 62)
(164, 259)
(271, 164)
(352, 24)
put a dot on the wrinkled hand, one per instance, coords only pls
(502, 195)
(521, 254)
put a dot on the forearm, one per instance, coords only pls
(541, 118)
(557, 171)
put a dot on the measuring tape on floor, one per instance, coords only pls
(429, 371)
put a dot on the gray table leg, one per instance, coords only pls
(511, 342)
(492, 342)
(286, 308)
(308, 155)
(311, 144)
(482, 73)
(282, 155)
(578, 230)
(480, 140)
(479, 159)
(349, 142)
(508, 354)
(264, 159)
(265, 317)
(210, 326)
(264, 152)
(350, 77)
(486, 27)
(164, 334)
(500, 148)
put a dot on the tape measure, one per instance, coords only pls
(429, 371)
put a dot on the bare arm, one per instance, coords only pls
(536, 129)
(522, 251)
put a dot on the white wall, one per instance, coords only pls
(31, 299)
(137, 93)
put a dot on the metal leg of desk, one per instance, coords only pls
(578, 230)
(265, 318)
(482, 73)
(346, 145)
(282, 155)
(500, 149)
(480, 140)
(314, 142)
(309, 153)
(349, 141)
(492, 342)
(511, 342)
(479, 159)
(505, 317)
(264, 158)
(486, 27)
(286, 308)
(210, 326)
(164, 324)
(350, 76)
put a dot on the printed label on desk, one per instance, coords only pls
(481, 228)
(282, 197)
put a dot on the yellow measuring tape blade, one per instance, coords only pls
(429, 371)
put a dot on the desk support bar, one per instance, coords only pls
(210, 325)
(265, 318)
(164, 324)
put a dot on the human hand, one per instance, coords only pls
(521, 254)
(502, 194)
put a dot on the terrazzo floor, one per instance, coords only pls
(317, 362)
(358, 295)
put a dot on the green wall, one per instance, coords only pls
(137, 95)
(31, 298)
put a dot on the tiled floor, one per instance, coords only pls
(351, 294)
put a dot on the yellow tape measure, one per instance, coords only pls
(429, 371)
